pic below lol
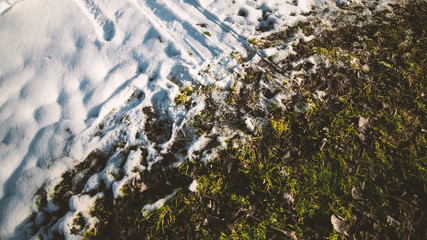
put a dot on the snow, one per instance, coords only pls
(344, 2)
(193, 186)
(249, 125)
(156, 205)
(69, 66)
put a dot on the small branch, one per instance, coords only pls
(286, 233)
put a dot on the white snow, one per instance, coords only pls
(249, 124)
(343, 2)
(156, 205)
(69, 66)
(193, 186)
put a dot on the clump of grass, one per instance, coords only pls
(203, 122)
(232, 95)
(78, 224)
(183, 97)
(236, 55)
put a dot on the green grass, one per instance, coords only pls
(184, 96)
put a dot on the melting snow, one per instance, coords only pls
(75, 75)
(193, 186)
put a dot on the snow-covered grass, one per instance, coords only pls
(349, 164)
(67, 67)
(112, 104)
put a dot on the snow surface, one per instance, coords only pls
(67, 66)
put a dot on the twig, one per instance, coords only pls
(286, 233)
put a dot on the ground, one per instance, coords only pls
(329, 143)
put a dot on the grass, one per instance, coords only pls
(183, 97)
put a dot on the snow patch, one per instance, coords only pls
(193, 186)
(156, 205)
